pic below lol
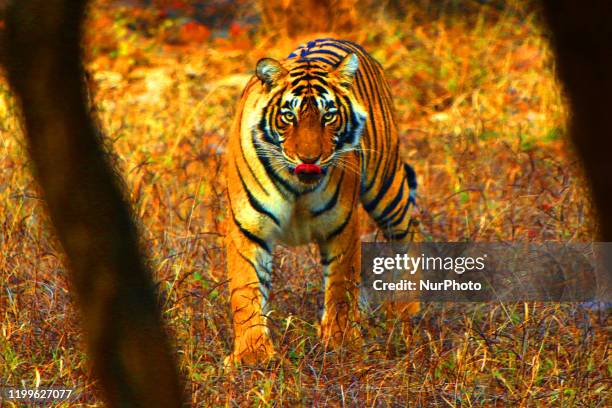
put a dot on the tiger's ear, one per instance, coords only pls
(270, 71)
(346, 70)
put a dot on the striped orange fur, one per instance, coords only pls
(313, 136)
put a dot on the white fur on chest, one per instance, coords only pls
(302, 227)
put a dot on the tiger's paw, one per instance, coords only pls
(404, 311)
(253, 350)
(408, 314)
(336, 337)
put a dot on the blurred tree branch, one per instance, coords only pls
(582, 42)
(128, 347)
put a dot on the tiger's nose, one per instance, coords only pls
(307, 159)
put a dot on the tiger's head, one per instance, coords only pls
(309, 116)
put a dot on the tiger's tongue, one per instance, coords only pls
(307, 169)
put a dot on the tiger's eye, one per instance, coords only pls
(329, 116)
(289, 116)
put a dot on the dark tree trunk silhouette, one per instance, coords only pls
(129, 351)
(582, 42)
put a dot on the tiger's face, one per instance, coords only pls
(310, 118)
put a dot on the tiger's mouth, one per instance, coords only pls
(308, 173)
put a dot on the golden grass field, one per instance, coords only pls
(482, 121)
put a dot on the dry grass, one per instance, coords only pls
(481, 120)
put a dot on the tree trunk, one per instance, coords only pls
(582, 42)
(128, 347)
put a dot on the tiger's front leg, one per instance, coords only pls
(249, 273)
(341, 259)
(391, 208)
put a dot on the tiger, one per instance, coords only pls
(313, 135)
